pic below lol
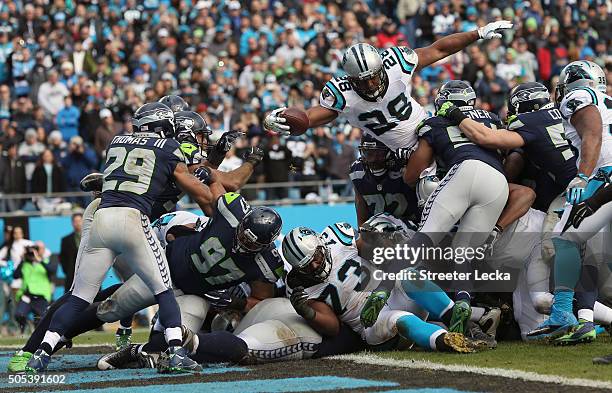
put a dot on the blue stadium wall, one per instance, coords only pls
(51, 229)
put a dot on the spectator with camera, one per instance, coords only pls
(34, 296)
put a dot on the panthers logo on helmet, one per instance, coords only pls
(575, 73)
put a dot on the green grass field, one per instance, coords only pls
(572, 362)
(91, 338)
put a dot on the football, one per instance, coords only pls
(297, 120)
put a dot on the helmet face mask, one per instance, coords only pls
(307, 253)
(319, 265)
(575, 74)
(371, 87)
(192, 128)
(257, 230)
(365, 71)
(375, 156)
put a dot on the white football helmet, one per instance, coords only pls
(364, 67)
(301, 247)
(578, 74)
(425, 187)
(384, 223)
(600, 76)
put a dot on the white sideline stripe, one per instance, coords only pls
(489, 371)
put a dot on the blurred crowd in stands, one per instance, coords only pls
(72, 72)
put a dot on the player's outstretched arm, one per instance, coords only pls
(478, 132)
(455, 42)
(235, 179)
(199, 192)
(319, 115)
(588, 124)
(419, 160)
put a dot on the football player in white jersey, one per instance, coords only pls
(587, 113)
(326, 287)
(375, 93)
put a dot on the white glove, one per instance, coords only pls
(275, 122)
(490, 31)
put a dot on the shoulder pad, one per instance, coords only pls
(406, 57)
(576, 100)
(331, 96)
(514, 122)
(341, 232)
(428, 124)
(188, 149)
(232, 207)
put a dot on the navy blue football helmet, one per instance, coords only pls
(460, 93)
(189, 125)
(174, 102)
(375, 156)
(528, 97)
(154, 118)
(258, 229)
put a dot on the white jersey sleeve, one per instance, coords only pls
(576, 100)
(333, 94)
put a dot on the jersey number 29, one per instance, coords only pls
(138, 163)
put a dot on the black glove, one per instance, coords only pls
(254, 155)
(203, 174)
(224, 144)
(223, 299)
(227, 140)
(299, 301)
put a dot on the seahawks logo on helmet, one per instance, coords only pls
(186, 123)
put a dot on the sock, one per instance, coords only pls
(169, 312)
(86, 321)
(429, 296)
(38, 334)
(174, 336)
(567, 272)
(66, 315)
(218, 347)
(602, 314)
(126, 323)
(585, 314)
(422, 333)
(50, 341)
(477, 313)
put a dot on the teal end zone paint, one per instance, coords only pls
(306, 384)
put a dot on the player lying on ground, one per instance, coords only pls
(326, 288)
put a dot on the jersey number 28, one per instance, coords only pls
(400, 107)
(138, 163)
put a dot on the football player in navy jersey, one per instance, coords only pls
(138, 168)
(377, 178)
(460, 195)
(536, 126)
